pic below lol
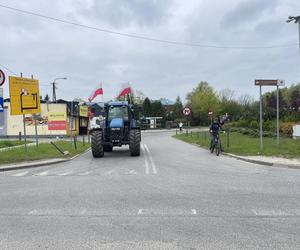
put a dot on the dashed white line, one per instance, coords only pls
(146, 161)
(83, 211)
(66, 173)
(86, 173)
(194, 211)
(42, 173)
(140, 212)
(20, 174)
(110, 172)
(32, 212)
(151, 159)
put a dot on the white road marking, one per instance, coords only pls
(86, 173)
(132, 172)
(66, 173)
(83, 212)
(32, 212)
(140, 212)
(274, 212)
(110, 172)
(151, 160)
(146, 161)
(20, 174)
(42, 173)
(194, 211)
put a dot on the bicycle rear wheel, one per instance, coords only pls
(217, 149)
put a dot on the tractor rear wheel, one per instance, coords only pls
(107, 148)
(135, 142)
(97, 147)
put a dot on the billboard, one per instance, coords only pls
(57, 121)
(24, 96)
(83, 111)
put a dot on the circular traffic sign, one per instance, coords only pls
(2, 77)
(186, 111)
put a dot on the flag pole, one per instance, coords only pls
(101, 86)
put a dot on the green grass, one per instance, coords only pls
(245, 145)
(44, 151)
(10, 143)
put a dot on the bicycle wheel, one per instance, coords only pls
(212, 147)
(217, 149)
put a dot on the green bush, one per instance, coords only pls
(254, 125)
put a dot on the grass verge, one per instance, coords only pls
(10, 143)
(245, 145)
(44, 151)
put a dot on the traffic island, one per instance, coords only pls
(246, 148)
(44, 154)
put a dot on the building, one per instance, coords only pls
(54, 120)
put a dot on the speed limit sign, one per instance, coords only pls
(2, 77)
(186, 111)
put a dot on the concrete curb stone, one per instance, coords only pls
(38, 163)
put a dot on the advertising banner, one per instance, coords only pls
(83, 111)
(57, 121)
(24, 96)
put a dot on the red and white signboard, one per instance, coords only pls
(57, 125)
(186, 111)
(2, 77)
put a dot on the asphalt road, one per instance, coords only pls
(174, 196)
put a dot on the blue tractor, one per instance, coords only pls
(116, 128)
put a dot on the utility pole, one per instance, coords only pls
(53, 91)
(54, 87)
(296, 19)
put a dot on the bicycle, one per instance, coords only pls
(216, 145)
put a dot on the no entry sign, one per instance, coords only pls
(186, 111)
(2, 77)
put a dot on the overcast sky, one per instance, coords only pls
(86, 57)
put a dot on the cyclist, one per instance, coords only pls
(215, 127)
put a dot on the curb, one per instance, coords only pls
(265, 163)
(41, 163)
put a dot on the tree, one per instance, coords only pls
(47, 98)
(158, 109)
(202, 100)
(178, 107)
(147, 107)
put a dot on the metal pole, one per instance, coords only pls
(299, 33)
(260, 120)
(24, 127)
(71, 124)
(35, 126)
(277, 116)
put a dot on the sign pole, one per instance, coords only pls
(277, 116)
(35, 126)
(24, 127)
(71, 124)
(260, 120)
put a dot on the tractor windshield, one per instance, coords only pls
(118, 112)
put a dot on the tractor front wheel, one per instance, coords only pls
(135, 142)
(97, 147)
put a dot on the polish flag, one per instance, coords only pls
(95, 93)
(126, 89)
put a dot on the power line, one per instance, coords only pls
(189, 44)
(9, 70)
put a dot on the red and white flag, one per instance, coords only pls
(96, 92)
(126, 90)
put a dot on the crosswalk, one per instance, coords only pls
(46, 173)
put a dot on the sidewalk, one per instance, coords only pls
(269, 160)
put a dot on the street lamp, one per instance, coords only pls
(54, 87)
(296, 19)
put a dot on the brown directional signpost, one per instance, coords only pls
(268, 82)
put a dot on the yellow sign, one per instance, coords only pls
(24, 96)
(57, 116)
(83, 111)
